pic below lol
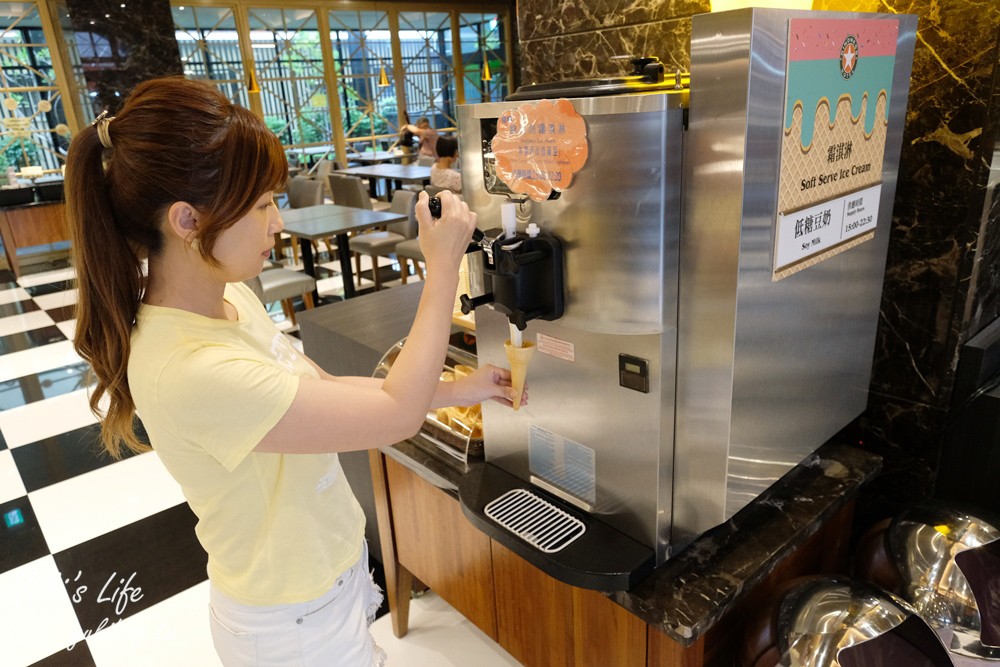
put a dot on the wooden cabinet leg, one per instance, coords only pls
(400, 593)
(398, 580)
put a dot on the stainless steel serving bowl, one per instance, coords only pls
(923, 542)
(823, 617)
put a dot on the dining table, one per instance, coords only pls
(374, 157)
(392, 174)
(322, 221)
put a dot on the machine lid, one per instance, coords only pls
(648, 76)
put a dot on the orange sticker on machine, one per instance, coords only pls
(539, 146)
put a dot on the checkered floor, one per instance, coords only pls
(99, 565)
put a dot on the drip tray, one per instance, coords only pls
(541, 524)
(560, 540)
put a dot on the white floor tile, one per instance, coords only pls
(11, 485)
(77, 510)
(439, 637)
(12, 295)
(46, 277)
(68, 328)
(36, 614)
(37, 359)
(173, 632)
(42, 419)
(35, 319)
(330, 286)
(57, 299)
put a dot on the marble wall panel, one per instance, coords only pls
(600, 52)
(133, 40)
(985, 303)
(543, 19)
(942, 282)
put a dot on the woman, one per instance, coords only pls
(427, 134)
(442, 173)
(182, 182)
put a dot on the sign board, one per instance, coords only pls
(837, 90)
(539, 146)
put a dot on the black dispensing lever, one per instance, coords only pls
(470, 303)
(434, 204)
(522, 275)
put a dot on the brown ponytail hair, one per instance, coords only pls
(173, 140)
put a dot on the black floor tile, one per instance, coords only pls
(326, 299)
(133, 568)
(42, 267)
(61, 457)
(21, 539)
(378, 574)
(17, 308)
(39, 386)
(7, 279)
(62, 313)
(323, 272)
(51, 288)
(78, 656)
(25, 340)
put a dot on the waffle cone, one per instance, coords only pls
(518, 358)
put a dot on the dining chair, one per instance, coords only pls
(302, 192)
(323, 169)
(352, 191)
(382, 244)
(407, 252)
(279, 284)
(349, 191)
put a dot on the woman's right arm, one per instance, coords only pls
(334, 416)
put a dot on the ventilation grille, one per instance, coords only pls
(538, 522)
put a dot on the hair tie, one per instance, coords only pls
(102, 122)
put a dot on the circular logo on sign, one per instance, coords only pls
(849, 57)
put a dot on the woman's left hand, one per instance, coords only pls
(486, 382)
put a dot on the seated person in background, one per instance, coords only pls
(428, 135)
(442, 174)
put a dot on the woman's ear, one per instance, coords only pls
(182, 221)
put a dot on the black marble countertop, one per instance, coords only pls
(31, 204)
(688, 594)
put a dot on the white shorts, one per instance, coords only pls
(330, 630)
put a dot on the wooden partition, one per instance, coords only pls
(32, 225)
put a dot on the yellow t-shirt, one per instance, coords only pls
(278, 528)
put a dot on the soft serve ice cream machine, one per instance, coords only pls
(692, 267)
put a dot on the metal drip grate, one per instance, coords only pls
(540, 523)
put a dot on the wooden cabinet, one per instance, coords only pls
(534, 612)
(436, 543)
(542, 621)
(539, 620)
(31, 225)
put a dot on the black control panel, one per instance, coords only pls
(633, 373)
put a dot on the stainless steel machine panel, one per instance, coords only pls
(629, 434)
(750, 368)
(767, 370)
(618, 219)
(619, 223)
